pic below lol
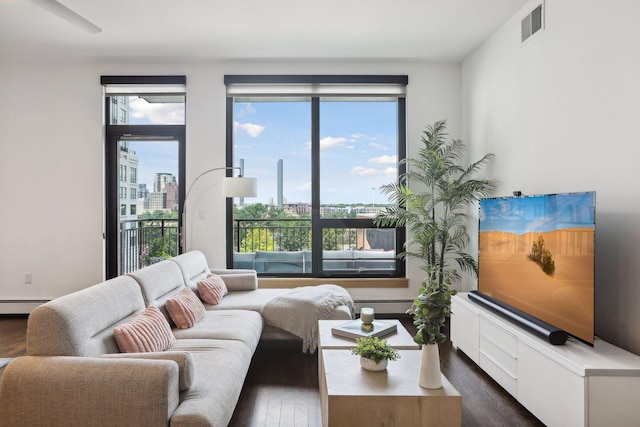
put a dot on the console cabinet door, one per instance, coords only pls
(547, 389)
(465, 329)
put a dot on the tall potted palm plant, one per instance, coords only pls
(431, 199)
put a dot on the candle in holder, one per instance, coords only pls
(366, 315)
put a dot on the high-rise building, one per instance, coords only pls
(128, 161)
(128, 182)
(143, 197)
(129, 190)
(157, 201)
(171, 189)
(165, 193)
(162, 178)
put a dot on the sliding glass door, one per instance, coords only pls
(144, 178)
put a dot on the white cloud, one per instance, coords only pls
(157, 113)
(330, 142)
(391, 173)
(251, 129)
(356, 136)
(378, 146)
(384, 160)
(359, 170)
(246, 109)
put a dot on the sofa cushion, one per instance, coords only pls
(184, 359)
(81, 323)
(149, 331)
(194, 267)
(185, 309)
(238, 280)
(159, 282)
(247, 300)
(222, 366)
(235, 325)
(212, 289)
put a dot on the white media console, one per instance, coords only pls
(562, 385)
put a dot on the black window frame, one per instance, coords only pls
(114, 134)
(319, 223)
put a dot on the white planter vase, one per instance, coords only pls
(430, 376)
(371, 365)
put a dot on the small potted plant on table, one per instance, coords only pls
(374, 353)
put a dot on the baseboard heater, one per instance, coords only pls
(19, 306)
(534, 325)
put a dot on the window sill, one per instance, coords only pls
(294, 282)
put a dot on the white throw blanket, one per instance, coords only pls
(299, 310)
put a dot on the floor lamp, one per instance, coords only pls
(231, 187)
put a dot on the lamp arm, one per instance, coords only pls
(183, 231)
(186, 196)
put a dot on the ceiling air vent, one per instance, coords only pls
(532, 23)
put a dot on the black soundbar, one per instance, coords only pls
(534, 325)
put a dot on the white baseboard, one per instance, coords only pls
(18, 306)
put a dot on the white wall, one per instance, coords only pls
(51, 161)
(560, 113)
(51, 174)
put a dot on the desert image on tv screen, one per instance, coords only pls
(536, 253)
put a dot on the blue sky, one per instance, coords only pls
(358, 149)
(155, 156)
(521, 215)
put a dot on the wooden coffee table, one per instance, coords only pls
(401, 339)
(352, 396)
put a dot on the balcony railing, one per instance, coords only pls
(269, 246)
(275, 246)
(146, 241)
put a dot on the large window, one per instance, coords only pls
(320, 147)
(144, 140)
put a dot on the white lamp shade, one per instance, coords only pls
(240, 187)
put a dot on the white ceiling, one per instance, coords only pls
(205, 30)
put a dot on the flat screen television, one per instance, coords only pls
(536, 254)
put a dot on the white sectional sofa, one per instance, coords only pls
(75, 375)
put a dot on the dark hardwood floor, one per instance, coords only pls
(13, 333)
(281, 388)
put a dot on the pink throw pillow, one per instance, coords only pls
(148, 331)
(185, 309)
(212, 289)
